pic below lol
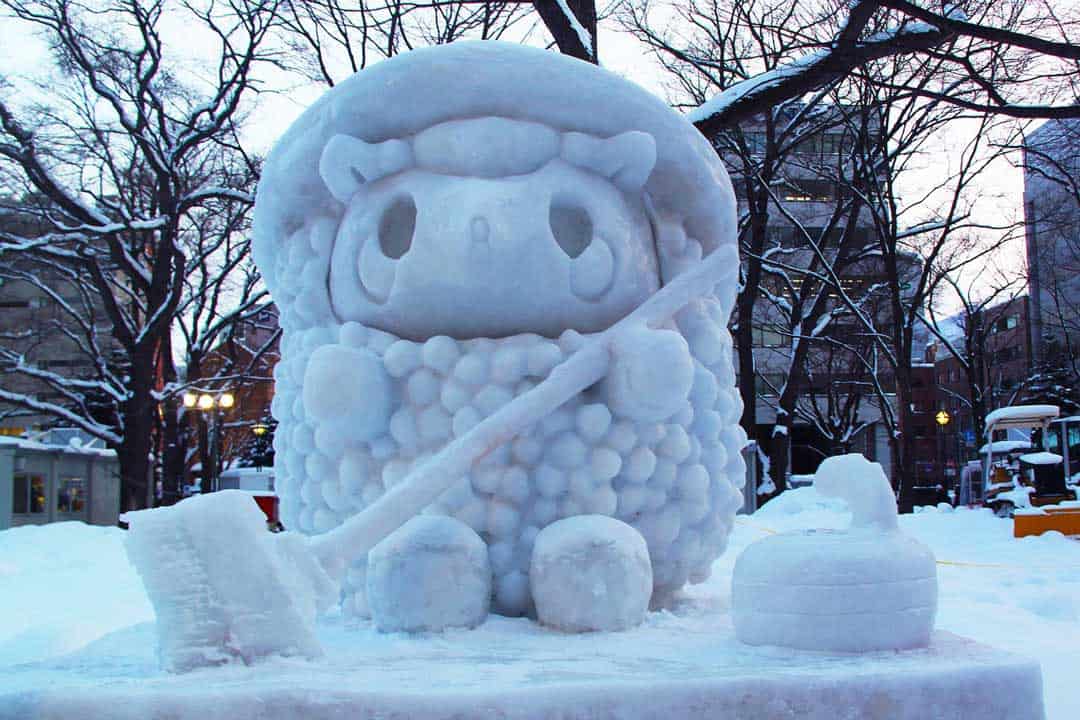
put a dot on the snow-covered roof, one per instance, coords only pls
(1041, 458)
(71, 449)
(264, 470)
(1004, 446)
(1020, 416)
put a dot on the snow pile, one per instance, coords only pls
(1042, 458)
(436, 257)
(63, 586)
(72, 583)
(590, 572)
(1024, 416)
(866, 589)
(430, 574)
(223, 588)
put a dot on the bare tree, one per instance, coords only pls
(128, 151)
(985, 306)
(1013, 58)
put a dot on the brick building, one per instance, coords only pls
(1001, 340)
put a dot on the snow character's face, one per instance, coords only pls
(483, 248)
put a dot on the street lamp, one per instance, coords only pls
(260, 431)
(207, 404)
(942, 418)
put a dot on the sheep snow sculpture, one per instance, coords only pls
(442, 230)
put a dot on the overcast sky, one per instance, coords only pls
(1001, 191)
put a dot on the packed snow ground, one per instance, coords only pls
(71, 607)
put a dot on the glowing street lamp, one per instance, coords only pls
(942, 418)
(206, 403)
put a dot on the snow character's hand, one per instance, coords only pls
(651, 375)
(349, 387)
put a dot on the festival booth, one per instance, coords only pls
(57, 477)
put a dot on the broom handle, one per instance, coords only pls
(357, 535)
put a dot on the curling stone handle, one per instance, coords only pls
(357, 535)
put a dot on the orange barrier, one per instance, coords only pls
(1065, 520)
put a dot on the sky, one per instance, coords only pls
(1000, 193)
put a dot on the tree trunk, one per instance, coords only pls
(136, 448)
(903, 452)
(565, 35)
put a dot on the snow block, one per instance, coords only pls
(224, 588)
(836, 591)
(590, 572)
(430, 574)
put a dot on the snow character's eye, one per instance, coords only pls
(378, 259)
(592, 262)
(571, 226)
(396, 227)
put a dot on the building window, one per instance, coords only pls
(28, 494)
(72, 495)
(764, 337)
(808, 191)
(755, 142)
(1006, 323)
(769, 383)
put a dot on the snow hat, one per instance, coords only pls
(689, 195)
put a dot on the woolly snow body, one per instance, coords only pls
(432, 261)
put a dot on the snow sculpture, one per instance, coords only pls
(430, 574)
(590, 572)
(223, 588)
(438, 236)
(868, 588)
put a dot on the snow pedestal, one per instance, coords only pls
(678, 670)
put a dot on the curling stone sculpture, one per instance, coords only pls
(502, 301)
(864, 589)
(438, 236)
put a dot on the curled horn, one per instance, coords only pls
(626, 159)
(347, 163)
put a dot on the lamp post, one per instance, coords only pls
(210, 408)
(942, 418)
(259, 430)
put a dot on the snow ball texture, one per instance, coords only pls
(835, 591)
(590, 573)
(863, 485)
(222, 587)
(348, 387)
(434, 260)
(430, 574)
